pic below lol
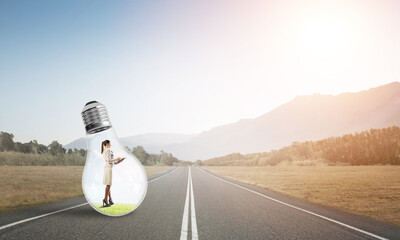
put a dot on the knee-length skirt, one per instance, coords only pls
(107, 177)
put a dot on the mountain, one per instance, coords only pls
(78, 143)
(304, 118)
(152, 142)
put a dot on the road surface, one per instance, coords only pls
(191, 203)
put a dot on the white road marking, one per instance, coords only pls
(185, 219)
(40, 216)
(195, 235)
(163, 175)
(306, 211)
(62, 210)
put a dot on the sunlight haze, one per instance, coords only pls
(184, 66)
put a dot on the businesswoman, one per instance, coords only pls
(107, 177)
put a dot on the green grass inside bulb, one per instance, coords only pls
(116, 209)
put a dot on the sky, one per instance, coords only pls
(183, 66)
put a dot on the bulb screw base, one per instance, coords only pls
(95, 117)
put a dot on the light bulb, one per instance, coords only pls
(128, 185)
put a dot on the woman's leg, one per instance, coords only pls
(107, 193)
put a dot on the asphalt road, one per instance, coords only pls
(184, 203)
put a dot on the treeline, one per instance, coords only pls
(376, 146)
(163, 158)
(36, 154)
(7, 144)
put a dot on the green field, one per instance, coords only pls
(116, 209)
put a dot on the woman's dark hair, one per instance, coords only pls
(103, 144)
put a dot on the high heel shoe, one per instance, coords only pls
(110, 201)
(105, 204)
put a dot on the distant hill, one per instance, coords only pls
(152, 142)
(304, 118)
(78, 144)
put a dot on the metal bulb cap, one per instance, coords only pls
(95, 117)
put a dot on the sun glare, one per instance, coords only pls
(325, 36)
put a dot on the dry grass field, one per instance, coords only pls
(25, 186)
(372, 191)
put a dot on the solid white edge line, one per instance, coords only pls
(306, 211)
(185, 218)
(195, 235)
(163, 175)
(40, 216)
(62, 210)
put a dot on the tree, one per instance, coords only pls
(82, 152)
(141, 154)
(35, 146)
(167, 158)
(56, 148)
(22, 147)
(198, 163)
(6, 141)
(42, 149)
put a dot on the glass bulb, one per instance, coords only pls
(128, 185)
